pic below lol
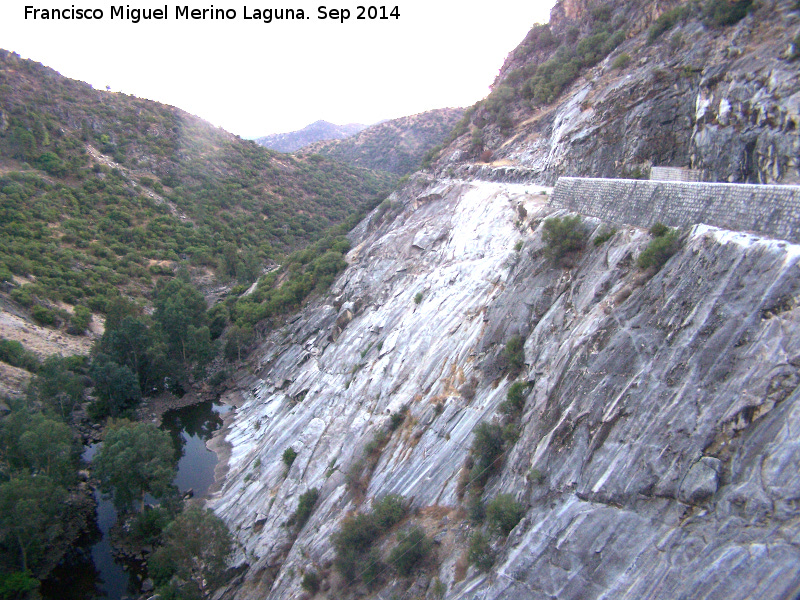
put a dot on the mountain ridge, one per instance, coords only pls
(317, 131)
(397, 146)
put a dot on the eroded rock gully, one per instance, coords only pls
(658, 451)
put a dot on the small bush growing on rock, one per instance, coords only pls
(503, 513)
(563, 238)
(476, 510)
(372, 568)
(659, 251)
(621, 61)
(354, 540)
(412, 547)
(288, 457)
(79, 320)
(720, 13)
(388, 511)
(43, 316)
(515, 399)
(417, 297)
(606, 234)
(666, 22)
(487, 449)
(310, 582)
(658, 229)
(514, 353)
(305, 507)
(536, 476)
(397, 419)
(480, 553)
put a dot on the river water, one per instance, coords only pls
(91, 572)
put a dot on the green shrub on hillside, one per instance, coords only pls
(480, 552)
(720, 13)
(563, 237)
(305, 506)
(659, 250)
(412, 547)
(288, 457)
(503, 513)
(621, 61)
(666, 21)
(514, 354)
(14, 353)
(515, 399)
(486, 451)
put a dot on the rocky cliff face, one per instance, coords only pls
(700, 94)
(656, 453)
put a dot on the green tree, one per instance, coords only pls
(135, 459)
(79, 320)
(411, 548)
(59, 384)
(17, 585)
(48, 448)
(192, 557)
(116, 386)
(486, 450)
(236, 340)
(181, 310)
(29, 515)
(514, 352)
(480, 552)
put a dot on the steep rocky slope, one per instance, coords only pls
(316, 132)
(677, 86)
(655, 454)
(397, 146)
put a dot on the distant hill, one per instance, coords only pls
(395, 146)
(318, 131)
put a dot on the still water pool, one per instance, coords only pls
(91, 572)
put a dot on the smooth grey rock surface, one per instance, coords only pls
(661, 416)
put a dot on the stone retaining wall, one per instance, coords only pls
(769, 210)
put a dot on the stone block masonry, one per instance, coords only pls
(769, 210)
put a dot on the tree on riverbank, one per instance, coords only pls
(192, 560)
(136, 459)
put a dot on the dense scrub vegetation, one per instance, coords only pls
(358, 557)
(107, 193)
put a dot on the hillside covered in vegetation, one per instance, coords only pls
(100, 193)
(397, 146)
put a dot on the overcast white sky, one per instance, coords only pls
(254, 78)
